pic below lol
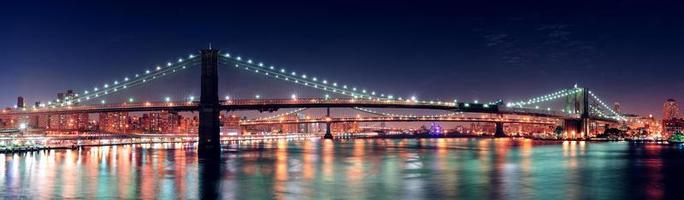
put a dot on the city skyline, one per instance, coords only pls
(421, 51)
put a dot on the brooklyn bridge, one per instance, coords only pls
(577, 110)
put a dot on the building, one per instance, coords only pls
(189, 125)
(20, 102)
(231, 125)
(60, 97)
(671, 109)
(161, 122)
(289, 128)
(670, 126)
(345, 127)
(672, 118)
(642, 126)
(114, 122)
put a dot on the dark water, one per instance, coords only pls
(355, 169)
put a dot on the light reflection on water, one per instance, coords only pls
(352, 169)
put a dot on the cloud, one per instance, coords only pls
(524, 44)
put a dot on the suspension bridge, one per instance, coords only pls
(579, 107)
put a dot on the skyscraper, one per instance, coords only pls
(672, 118)
(671, 110)
(20, 102)
(616, 107)
(60, 97)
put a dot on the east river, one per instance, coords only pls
(455, 168)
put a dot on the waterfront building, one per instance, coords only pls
(289, 128)
(642, 126)
(670, 126)
(231, 125)
(189, 125)
(345, 127)
(161, 122)
(671, 109)
(672, 118)
(114, 122)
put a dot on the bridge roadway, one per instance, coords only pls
(270, 105)
(525, 120)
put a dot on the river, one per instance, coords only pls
(451, 168)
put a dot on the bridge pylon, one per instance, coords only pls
(209, 107)
(578, 103)
(328, 133)
(585, 113)
(499, 132)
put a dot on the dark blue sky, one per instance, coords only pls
(626, 51)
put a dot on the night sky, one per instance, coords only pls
(626, 51)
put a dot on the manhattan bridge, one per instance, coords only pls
(576, 109)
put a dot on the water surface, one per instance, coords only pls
(463, 168)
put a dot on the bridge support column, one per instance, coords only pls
(584, 124)
(328, 132)
(209, 108)
(576, 128)
(499, 130)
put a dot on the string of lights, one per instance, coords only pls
(366, 110)
(127, 82)
(313, 81)
(279, 115)
(545, 98)
(615, 114)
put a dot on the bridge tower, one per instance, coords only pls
(585, 113)
(499, 132)
(328, 132)
(209, 108)
(578, 103)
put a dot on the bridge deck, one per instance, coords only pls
(275, 104)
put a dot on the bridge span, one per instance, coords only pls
(581, 106)
(524, 120)
(272, 105)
